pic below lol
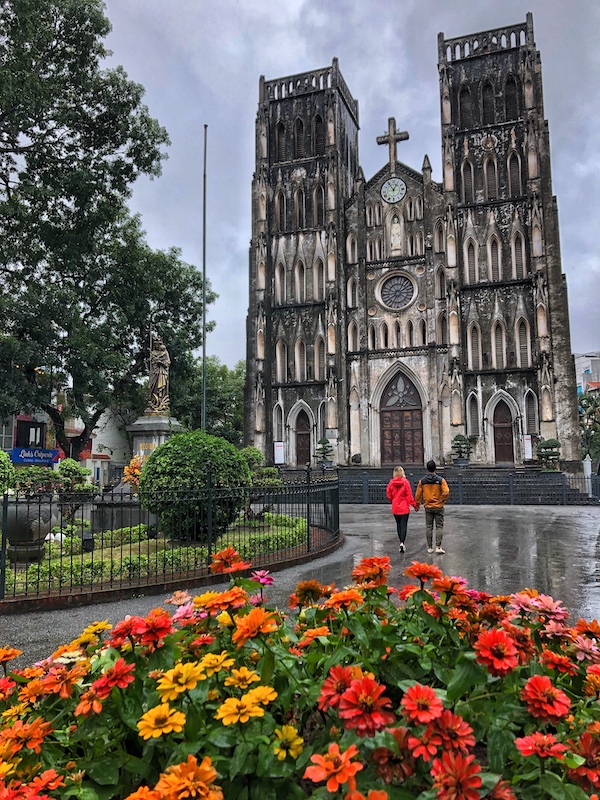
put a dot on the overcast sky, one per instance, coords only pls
(200, 62)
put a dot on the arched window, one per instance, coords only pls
(491, 182)
(518, 252)
(423, 327)
(300, 283)
(351, 249)
(410, 334)
(514, 175)
(352, 293)
(278, 423)
(377, 214)
(419, 207)
(352, 337)
(319, 136)
(280, 141)
(300, 209)
(319, 206)
(385, 339)
(369, 250)
(300, 361)
(474, 348)
(320, 359)
(498, 342)
(299, 139)
(487, 101)
(442, 333)
(464, 108)
(440, 289)
(281, 361)
(371, 337)
(319, 280)
(471, 264)
(523, 351)
(398, 334)
(472, 416)
(494, 256)
(280, 211)
(468, 182)
(369, 215)
(531, 417)
(280, 284)
(410, 245)
(410, 209)
(511, 103)
(438, 237)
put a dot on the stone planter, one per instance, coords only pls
(28, 522)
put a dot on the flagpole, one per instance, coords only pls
(203, 421)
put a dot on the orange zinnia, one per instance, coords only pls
(189, 779)
(335, 767)
(347, 598)
(8, 653)
(60, 680)
(28, 734)
(258, 620)
(372, 571)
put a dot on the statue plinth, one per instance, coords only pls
(150, 431)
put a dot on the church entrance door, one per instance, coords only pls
(401, 423)
(302, 439)
(503, 434)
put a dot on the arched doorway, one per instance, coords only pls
(401, 423)
(302, 439)
(503, 434)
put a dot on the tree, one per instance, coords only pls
(224, 398)
(589, 423)
(79, 287)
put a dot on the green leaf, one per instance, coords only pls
(267, 667)
(224, 737)
(501, 743)
(240, 763)
(104, 771)
(554, 786)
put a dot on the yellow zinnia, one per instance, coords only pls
(261, 694)
(288, 741)
(213, 662)
(159, 720)
(181, 678)
(242, 678)
(234, 710)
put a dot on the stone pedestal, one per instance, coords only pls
(150, 431)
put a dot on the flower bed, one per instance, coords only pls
(364, 693)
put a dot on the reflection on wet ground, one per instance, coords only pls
(498, 549)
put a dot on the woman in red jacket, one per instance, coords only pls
(401, 497)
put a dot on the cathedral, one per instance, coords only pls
(389, 314)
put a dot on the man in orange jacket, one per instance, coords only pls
(433, 492)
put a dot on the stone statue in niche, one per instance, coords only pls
(158, 384)
(396, 236)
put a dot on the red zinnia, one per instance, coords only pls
(557, 661)
(502, 791)
(391, 766)
(123, 631)
(455, 777)
(426, 745)
(540, 744)
(120, 674)
(334, 686)
(587, 775)
(361, 705)
(455, 732)
(497, 650)
(544, 700)
(151, 630)
(420, 703)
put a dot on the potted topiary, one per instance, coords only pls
(461, 450)
(324, 453)
(31, 513)
(548, 453)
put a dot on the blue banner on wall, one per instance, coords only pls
(33, 455)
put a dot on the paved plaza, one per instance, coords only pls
(499, 549)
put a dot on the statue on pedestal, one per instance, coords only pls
(158, 384)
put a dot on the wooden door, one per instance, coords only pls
(302, 439)
(401, 423)
(503, 434)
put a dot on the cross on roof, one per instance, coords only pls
(390, 138)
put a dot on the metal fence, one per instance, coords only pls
(481, 487)
(55, 547)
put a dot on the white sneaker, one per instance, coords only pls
(401, 548)
(439, 550)
(430, 549)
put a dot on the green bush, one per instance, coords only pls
(173, 484)
(7, 473)
(120, 536)
(31, 482)
(548, 452)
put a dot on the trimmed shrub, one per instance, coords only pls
(174, 480)
(7, 472)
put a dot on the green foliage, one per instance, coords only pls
(548, 453)
(174, 479)
(461, 446)
(7, 472)
(324, 451)
(589, 423)
(33, 481)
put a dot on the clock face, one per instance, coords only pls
(397, 292)
(393, 190)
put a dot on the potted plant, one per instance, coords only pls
(31, 513)
(324, 453)
(461, 450)
(548, 453)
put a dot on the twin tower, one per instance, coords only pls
(389, 314)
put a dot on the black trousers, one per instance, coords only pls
(401, 526)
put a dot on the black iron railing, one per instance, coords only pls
(54, 547)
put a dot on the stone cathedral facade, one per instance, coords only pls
(388, 314)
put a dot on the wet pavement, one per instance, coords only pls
(498, 549)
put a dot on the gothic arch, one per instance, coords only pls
(498, 345)
(281, 361)
(352, 336)
(300, 282)
(414, 395)
(300, 360)
(440, 284)
(318, 280)
(319, 354)
(301, 423)
(530, 413)
(280, 292)
(352, 292)
(523, 342)
(438, 237)
(472, 415)
(517, 247)
(319, 207)
(491, 178)
(474, 347)
(499, 430)
(471, 273)
(351, 249)
(468, 182)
